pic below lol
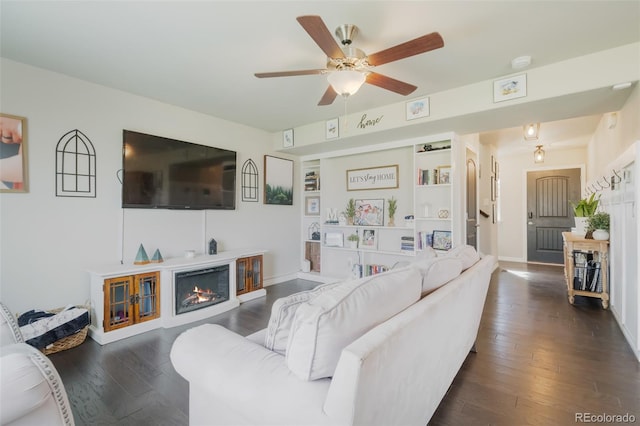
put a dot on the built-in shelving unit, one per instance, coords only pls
(430, 199)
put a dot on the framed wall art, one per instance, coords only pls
(510, 88)
(369, 212)
(383, 177)
(417, 108)
(312, 206)
(332, 130)
(278, 181)
(287, 138)
(13, 153)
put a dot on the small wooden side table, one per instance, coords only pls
(575, 243)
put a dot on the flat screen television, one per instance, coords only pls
(163, 173)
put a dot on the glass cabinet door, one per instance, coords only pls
(256, 270)
(147, 296)
(241, 276)
(118, 304)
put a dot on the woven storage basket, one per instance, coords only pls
(69, 341)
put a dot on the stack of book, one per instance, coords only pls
(312, 181)
(407, 244)
(360, 270)
(428, 177)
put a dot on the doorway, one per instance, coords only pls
(472, 200)
(549, 213)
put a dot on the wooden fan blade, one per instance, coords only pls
(410, 48)
(288, 73)
(320, 34)
(328, 97)
(390, 83)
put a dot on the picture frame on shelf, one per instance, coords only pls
(442, 240)
(493, 188)
(278, 181)
(13, 165)
(287, 138)
(368, 239)
(510, 88)
(417, 108)
(444, 174)
(369, 212)
(332, 129)
(312, 206)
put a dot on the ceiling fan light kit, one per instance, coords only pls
(349, 68)
(346, 82)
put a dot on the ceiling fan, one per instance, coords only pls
(349, 67)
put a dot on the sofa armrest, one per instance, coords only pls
(239, 373)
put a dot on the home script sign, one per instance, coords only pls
(383, 177)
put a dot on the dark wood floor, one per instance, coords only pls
(540, 361)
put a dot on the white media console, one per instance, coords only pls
(164, 313)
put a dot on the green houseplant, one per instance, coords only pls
(393, 206)
(582, 210)
(599, 224)
(350, 211)
(586, 207)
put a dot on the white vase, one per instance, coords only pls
(581, 225)
(601, 235)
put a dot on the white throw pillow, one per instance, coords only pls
(438, 271)
(328, 323)
(282, 312)
(467, 254)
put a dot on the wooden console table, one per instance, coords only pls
(599, 274)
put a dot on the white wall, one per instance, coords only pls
(512, 196)
(49, 242)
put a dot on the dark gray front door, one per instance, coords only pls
(472, 203)
(549, 212)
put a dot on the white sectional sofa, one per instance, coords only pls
(381, 350)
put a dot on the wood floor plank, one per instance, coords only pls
(540, 361)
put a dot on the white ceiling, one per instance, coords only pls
(202, 55)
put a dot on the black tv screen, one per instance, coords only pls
(165, 173)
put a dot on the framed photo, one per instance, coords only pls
(444, 174)
(493, 164)
(368, 239)
(312, 206)
(13, 161)
(493, 213)
(278, 181)
(417, 108)
(287, 138)
(369, 212)
(442, 240)
(510, 88)
(332, 129)
(384, 177)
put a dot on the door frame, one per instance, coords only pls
(523, 207)
(476, 152)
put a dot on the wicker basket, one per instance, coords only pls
(66, 342)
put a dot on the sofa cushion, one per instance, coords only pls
(467, 254)
(438, 271)
(282, 312)
(323, 326)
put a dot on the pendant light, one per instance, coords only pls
(538, 154)
(531, 131)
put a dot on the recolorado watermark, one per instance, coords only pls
(604, 418)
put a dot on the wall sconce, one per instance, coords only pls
(531, 131)
(538, 154)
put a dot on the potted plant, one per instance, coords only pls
(599, 224)
(582, 210)
(350, 211)
(353, 240)
(393, 206)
